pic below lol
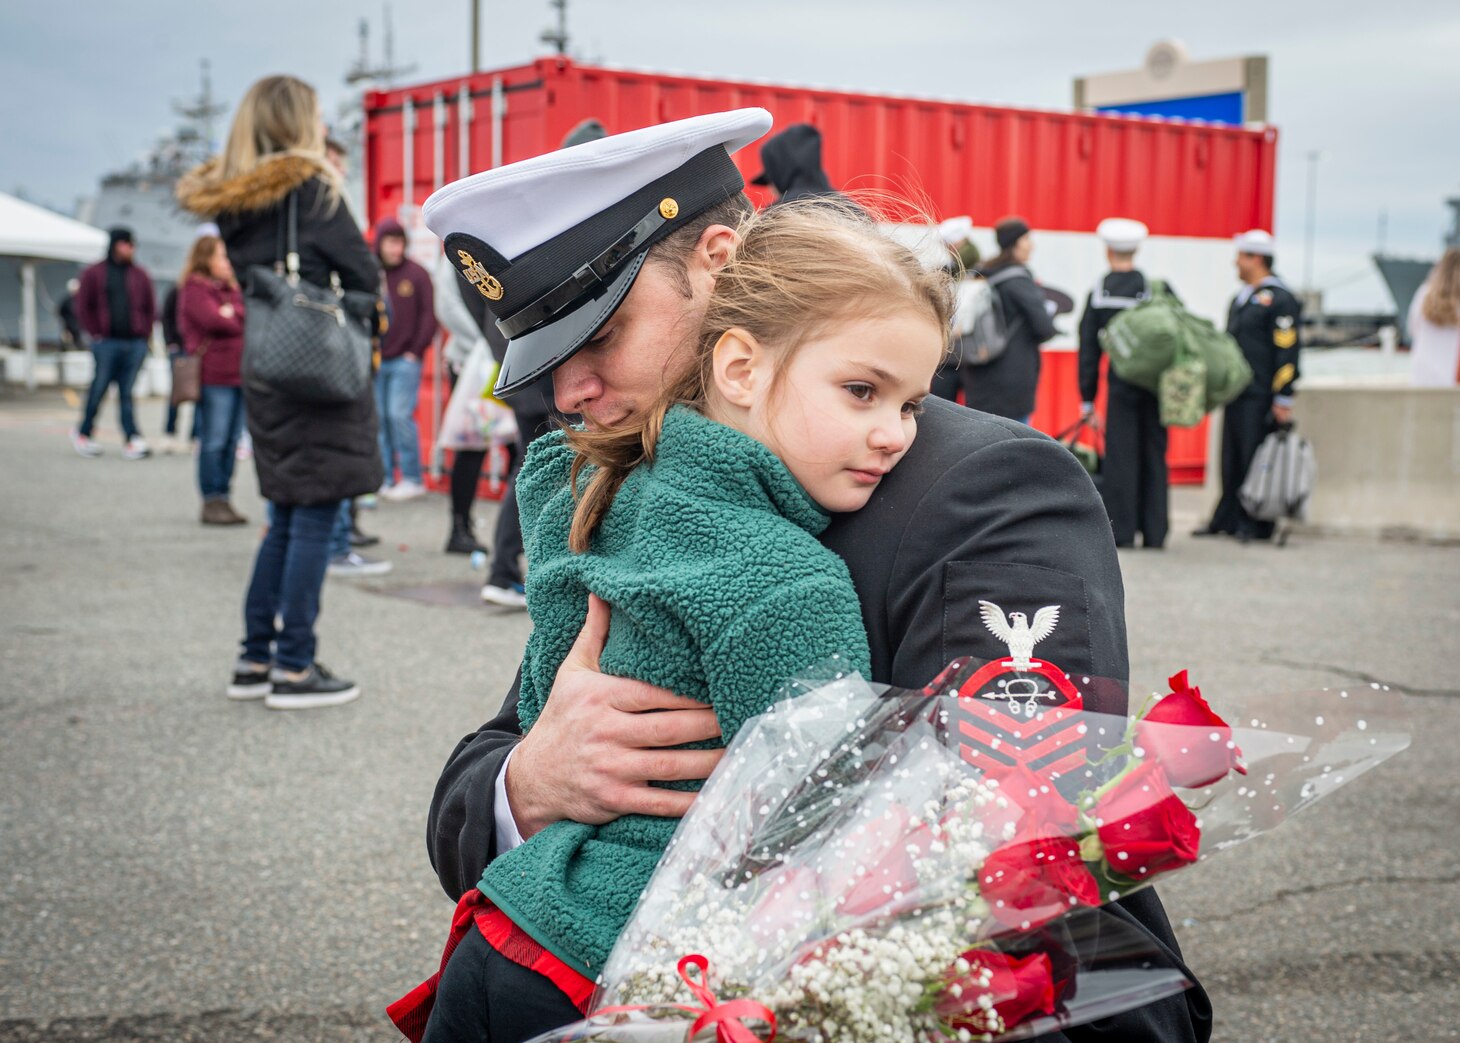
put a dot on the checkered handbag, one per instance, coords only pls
(309, 342)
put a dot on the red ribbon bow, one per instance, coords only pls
(726, 1017)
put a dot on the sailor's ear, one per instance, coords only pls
(740, 367)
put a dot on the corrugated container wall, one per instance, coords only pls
(1061, 171)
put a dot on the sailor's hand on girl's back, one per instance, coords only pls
(596, 746)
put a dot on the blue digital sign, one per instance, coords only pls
(1214, 108)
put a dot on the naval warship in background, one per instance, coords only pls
(141, 195)
(1405, 275)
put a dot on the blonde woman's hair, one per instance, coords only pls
(278, 116)
(798, 270)
(1442, 291)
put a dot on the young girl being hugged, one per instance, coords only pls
(697, 521)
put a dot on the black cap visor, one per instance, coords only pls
(539, 351)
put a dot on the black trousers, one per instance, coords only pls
(486, 998)
(1245, 423)
(507, 540)
(1134, 482)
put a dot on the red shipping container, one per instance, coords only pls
(1195, 185)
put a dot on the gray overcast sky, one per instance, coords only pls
(88, 85)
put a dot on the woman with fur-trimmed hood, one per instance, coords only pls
(310, 456)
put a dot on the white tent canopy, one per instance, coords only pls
(33, 233)
(27, 230)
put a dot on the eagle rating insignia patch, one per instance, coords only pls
(1020, 711)
(1284, 335)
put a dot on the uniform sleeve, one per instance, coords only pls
(1089, 352)
(1019, 523)
(461, 829)
(1283, 319)
(791, 630)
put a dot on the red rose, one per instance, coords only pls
(1030, 882)
(1192, 743)
(1019, 987)
(1144, 827)
(786, 905)
(1033, 806)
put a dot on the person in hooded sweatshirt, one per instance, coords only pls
(404, 346)
(117, 309)
(792, 165)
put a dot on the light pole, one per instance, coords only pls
(476, 35)
(1312, 209)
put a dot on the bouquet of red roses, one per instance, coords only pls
(882, 865)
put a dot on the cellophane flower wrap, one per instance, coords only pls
(873, 864)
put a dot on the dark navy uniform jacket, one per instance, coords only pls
(1264, 319)
(980, 508)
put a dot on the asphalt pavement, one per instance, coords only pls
(176, 866)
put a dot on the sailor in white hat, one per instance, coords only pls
(1133, 481)
(557, 247)
(1264, 318)
(555, 243)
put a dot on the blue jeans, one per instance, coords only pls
(283, 596)
(340, 534)
(119, 362)
(396, 387)
(220, 412)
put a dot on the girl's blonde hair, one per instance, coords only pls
(200, 257)
(278, 115)
(1442, 291)
(797, 271)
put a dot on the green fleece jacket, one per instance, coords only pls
(719, 590)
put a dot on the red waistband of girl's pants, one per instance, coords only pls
(411, 1011)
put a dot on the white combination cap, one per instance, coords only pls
(1255, 241)
(1122, 234)
(955, 230)
(555, 242)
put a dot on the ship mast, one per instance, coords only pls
(558, 37)
(200, 114)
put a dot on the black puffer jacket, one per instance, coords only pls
(1006, 386)
(306, 453)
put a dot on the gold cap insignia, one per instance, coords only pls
(486, 284)
(668, 209)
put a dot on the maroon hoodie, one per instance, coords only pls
(411, 301)
(210, 320)
(95, 314)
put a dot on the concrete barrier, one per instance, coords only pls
(1388, 458)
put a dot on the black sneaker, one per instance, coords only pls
(359, 538)
(250, 681)
(316, 688)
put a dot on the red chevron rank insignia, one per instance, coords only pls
(1020, 710)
